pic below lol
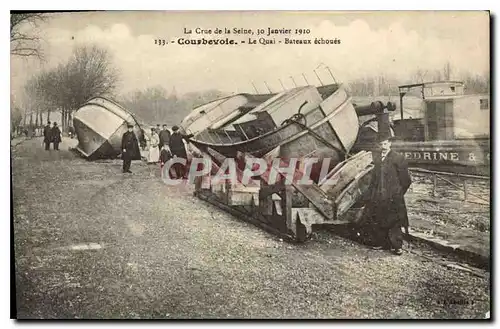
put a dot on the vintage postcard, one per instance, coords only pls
(251, 165)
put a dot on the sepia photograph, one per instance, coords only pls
(250, 165)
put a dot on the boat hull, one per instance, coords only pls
(215, 114)
(328, 131)
(100, 125)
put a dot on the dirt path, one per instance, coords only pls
(91, 242)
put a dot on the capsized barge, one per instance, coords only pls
(99, 125)
(288, 130)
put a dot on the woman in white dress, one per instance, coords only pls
(154, 151)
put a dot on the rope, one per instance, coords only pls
(299, 116)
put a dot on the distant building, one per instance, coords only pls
(449, 114)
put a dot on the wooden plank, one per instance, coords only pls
(337, 182)
(241, 215)
(340, 165)
(312, 192)
(311, 216)
(239, 194)
(353, 192)
(236, 198)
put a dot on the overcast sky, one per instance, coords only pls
(372, 43)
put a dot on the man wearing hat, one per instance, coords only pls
(178, 149)
(56, 136)
(390, 181)
(47, 136)
(129, 148)
(164, 137)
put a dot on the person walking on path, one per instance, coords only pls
(390, 181)
(56, 136)
(130, 147)
(154, 151)
(47, 136)
(164, 137)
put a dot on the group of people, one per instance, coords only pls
(163, 146)
(51, 135)
(160, 140)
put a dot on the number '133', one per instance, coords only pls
(160, 42)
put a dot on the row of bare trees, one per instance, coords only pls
(155, 105)
(25, 42)
(88, 73)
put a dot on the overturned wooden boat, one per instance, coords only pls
(304, 121)
(100, 124)
(223, 111)
(287, 130)
(214, 114)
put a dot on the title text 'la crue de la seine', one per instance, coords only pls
(235, 36)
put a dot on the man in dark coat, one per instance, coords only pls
(55, 136)
(164, 137)
(47, 136)
(390, 181)
(178, 149)
(129, 148)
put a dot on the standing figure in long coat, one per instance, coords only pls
(164, 137)
(178, 149)
(47, 136)
(387, 208)
(55, 136)
(154, 152)
(130, 148)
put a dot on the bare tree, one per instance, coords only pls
(154, 105)
(362, 87)
(89, 73)
(30, 99)
(476, 84)
(16, 116)
(437, 76)
(447, 71)
(418, 76)
(24, 34)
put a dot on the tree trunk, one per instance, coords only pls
(36, 118)
(48, 115)
(63, 119)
